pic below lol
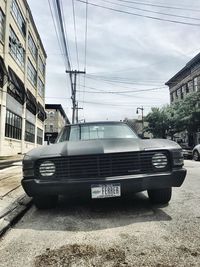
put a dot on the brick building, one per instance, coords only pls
(22, 79)
(187, 80)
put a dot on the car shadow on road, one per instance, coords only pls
(80, 214)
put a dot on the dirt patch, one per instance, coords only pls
(193, 252)
(82, 255)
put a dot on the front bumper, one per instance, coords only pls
(187, 154)
(129, 183)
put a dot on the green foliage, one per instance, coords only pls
(157, 122)
(180, 116)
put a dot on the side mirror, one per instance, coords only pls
(141, 135)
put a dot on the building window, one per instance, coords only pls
(195, 84)
(18, 17)
(30, 132)
(31, 73)
(178, 93)
(190, 86)
(41, 66)
(16, 49)
(184, 90)
(171, 97)
(39, 136)
(40, 88)
(51, 114)
(41, 112)
(175, 95)
(2, 25)
(51, 128)
(32, 47)
(13, 127)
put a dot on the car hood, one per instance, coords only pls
(70, 148)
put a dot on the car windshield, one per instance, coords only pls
(95, 131)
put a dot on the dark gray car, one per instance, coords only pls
(100, 160)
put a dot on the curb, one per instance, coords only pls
(13, 212)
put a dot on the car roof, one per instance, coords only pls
(98, 122)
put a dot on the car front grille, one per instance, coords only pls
(102, 165)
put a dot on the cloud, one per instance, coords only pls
(143, 52)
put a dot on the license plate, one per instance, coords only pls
(105, 190)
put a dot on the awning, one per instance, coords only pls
(3, 73)
(31, 103)
(16, 86)
(41, 112)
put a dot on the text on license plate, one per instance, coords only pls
(105, 190)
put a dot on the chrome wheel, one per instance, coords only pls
(196, 155)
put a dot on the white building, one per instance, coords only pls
(56, 120)
(22, 79)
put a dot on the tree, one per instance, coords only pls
(157, 122)
(181, 115)
(187, 111)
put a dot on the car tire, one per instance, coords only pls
(45, 202)
(160, 196)
(196, 155)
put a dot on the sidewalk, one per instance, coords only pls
(13, 200)
(11, 158)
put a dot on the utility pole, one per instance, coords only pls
(77, 108)
(142, 109)
(73, 97)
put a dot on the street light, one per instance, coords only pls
(142, 109)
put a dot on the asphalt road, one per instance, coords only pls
(112, 232)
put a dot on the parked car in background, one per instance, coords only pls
(187, 151)
(102, 160)
(196, 153)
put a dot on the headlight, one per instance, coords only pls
(47, 168)
(28, 166)
(178, 158)
(159, 160)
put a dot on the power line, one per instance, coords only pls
(114, 93)
(86, 34)
(113, 82)
(63, 33)
(161, 6)
(122, 82)
(63, 38)
(85, 51)
(116, 78)
(107, 103)
(86, 30)
(75, 33)
(66, 35)
(122, 93)
(60, 46)
(119, 94)
(140, 15)
(126, 70)
(62, 27)
(99, 91)
(149, 11)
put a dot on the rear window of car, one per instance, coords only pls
(95, 131)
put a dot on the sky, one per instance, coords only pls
(128, 57)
